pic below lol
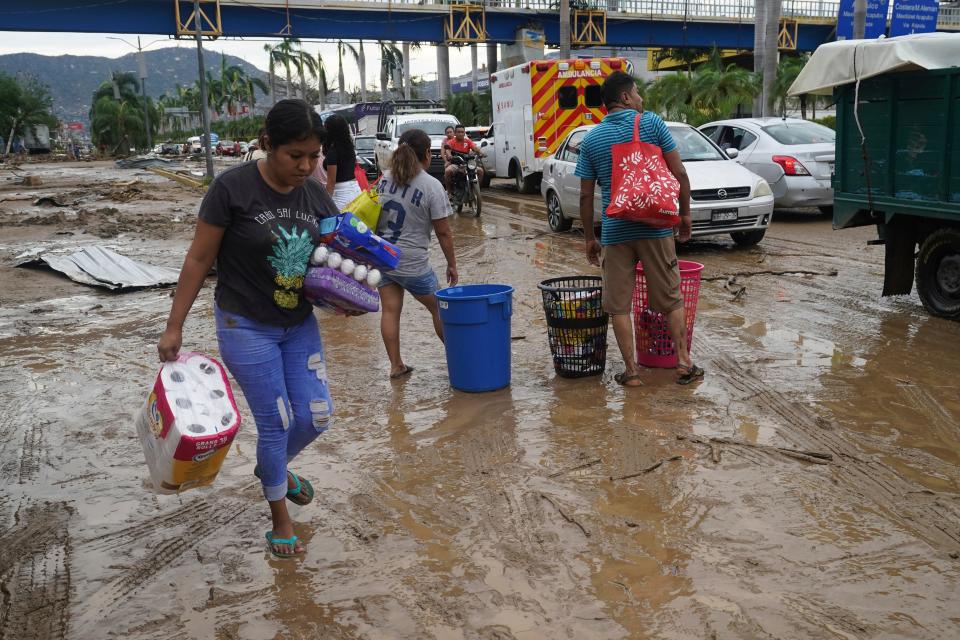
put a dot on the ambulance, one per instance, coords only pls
(535, 106)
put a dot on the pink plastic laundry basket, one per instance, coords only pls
(655, 348)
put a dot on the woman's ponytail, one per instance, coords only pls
(407, 160)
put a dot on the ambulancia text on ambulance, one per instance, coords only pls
(535, 106)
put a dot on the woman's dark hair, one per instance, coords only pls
(407, 161)
(292, 121)
(614, 86)
(338, 136)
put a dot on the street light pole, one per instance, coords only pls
(208, 152)
(143, 91)
(859, 19)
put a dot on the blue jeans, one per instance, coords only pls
(283, 375)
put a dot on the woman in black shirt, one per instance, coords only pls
(340, 161)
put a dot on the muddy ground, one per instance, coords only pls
(441, 514)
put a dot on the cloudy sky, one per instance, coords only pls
(423, 62)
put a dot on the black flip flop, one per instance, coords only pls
(406, 371)
(693, 372)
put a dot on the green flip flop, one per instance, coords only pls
(302, 492)
(291, 541)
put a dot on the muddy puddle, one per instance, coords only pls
(809, 487)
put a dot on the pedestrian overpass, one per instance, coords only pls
(727, 24)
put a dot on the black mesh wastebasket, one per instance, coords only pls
(576, 325)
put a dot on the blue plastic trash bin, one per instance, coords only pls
(476, 334)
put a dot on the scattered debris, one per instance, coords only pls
(792, 272)
(566, 517)
(100, 267)
(798, 454)
(738, 290)
(142, 162)
(184, 179)
(31, 181)
(655, 465)
(48, 201)
(589, 463)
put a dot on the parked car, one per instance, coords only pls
(724, 197)
(228, 148)
(366, 155)
(794, 156)
(244, 147)
(476, 133)
(398, 116)
(169, 148)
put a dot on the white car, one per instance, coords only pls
(433, 124)
(793, 155)
(488, 146)
(724, 197)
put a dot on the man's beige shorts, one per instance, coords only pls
(619, 265)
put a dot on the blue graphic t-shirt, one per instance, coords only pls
(267, 243)
(406, 219)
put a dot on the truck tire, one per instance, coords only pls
(938, 273)
(555, 218)
(748, 238)
(485, 183)
(524, 185)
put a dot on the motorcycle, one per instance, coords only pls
(466, 185)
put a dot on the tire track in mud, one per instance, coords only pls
(935, 521)
(942, 422)
(31, 452)
(192, 512)
(35, 574)
(194, 523)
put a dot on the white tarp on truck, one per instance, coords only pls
(846, 61)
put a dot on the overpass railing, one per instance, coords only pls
(728, 10)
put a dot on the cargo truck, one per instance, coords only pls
(898, 155)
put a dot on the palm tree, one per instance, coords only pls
(362, 66)
(405, 81)
(252, 84)
(286, 53)
(272, 73)
(787, 71)
(688, 56)
(304, 63)
(341, 47)
(323, 87)
(27, 105)
(391, 60)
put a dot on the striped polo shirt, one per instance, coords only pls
(596, 163)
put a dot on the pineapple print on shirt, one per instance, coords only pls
(291, 251)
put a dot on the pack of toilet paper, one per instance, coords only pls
(188, 422)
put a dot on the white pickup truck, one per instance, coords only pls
(394, 125)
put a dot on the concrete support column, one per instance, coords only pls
(771, 54)
(759, 33)
(474, 70)
(492, 57)
(443, 71)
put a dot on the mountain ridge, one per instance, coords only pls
(81, 75)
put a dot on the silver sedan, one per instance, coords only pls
(724, 197)
(793, 155)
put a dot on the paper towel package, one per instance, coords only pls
(188, 422)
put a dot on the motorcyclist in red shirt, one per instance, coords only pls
(460, 144)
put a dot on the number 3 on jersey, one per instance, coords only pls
(396, 214)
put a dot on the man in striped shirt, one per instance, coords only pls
(622, 242)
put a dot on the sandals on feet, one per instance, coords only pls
(689, 374)
(302, 491)
(291, 542)
(400, 374)
(625, 379)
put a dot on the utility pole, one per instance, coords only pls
(207, 152)
(771, 54)
(142, 64)
(859, 19)
(759, 35)
(564, 29)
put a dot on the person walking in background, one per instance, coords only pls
(622, 242)
(413, 204)
(340, 162)
(260, 222)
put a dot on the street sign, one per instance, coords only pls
(876, 24)
(914, 16)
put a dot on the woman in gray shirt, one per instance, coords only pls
(414, 203)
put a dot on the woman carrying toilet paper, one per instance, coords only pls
(413, 204)
(260, 222)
